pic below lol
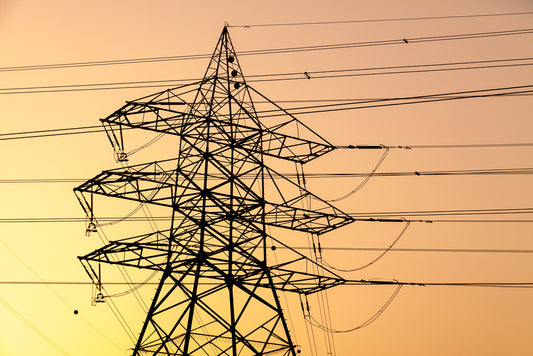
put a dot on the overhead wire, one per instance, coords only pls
(369, 321)
(284, 296)
(400, 285)
(380, 217)
(394, 19)
(363, 282)
(322, 296)
(60, 297)
(312, 74)
(328, 175)
(323, 302)
(295, 49)
(33, 327)
(358, 104)
(458, 212)
(495, 171)
(363, 183)
(418, 99)
(111, 304)
(393, 249)
(437, 146)
(359, 282)
(374, 260)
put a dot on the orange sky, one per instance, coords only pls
(421, 320)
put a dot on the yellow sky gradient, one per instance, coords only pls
(438, 320)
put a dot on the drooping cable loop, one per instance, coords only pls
(311, 320)
(407, 223)
(363, 183)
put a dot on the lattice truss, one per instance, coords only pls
(217, 293)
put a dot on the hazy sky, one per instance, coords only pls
(431, 320)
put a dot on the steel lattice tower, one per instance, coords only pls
(218, 293)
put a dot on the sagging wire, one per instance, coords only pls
(92, 228)
(134, 288)
(121, 219)
(312, 321)
(309, 331)
(325, 312)
(113, 307)
(310, 340)
(363, 183)
(33, 327)
(97, 290)
(149, 143)
(283, 294)
(100, 295)
(123, 271)
(407, 223)
(118, 315)
(59, 296)
(153, 225)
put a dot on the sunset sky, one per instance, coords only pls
(38, 319)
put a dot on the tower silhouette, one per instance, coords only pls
(218, 290)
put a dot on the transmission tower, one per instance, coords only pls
(217, 293)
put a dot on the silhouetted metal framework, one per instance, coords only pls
(217, 294)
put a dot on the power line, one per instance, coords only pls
(357, 104)
(311, 320)
(363, 282)
(334, 46)
(360, 282)
(361, 217)
(440, 250)
(430, 98)
(382, 20)
(504, 171)
(314, 74)
(437, 146)
(458, 212)
(59, 296)
(33, 327)
(329, 175)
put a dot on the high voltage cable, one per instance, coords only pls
(313, 74)
(408, 147)
(356, 218)
(357, 104)
(360, 282)
(382, 20)
(469, 94)
(445, 250)
(33, 327)
(497, 171)
(275, 50)
(422, 173)
(398, 216)
(59, 296)
(459, 212)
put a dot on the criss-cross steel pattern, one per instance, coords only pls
(218, 293)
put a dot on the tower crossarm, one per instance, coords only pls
(316, 222)
(151, 183)
(148, 251)
(284, 276)
(280, 141)
(139, 188)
